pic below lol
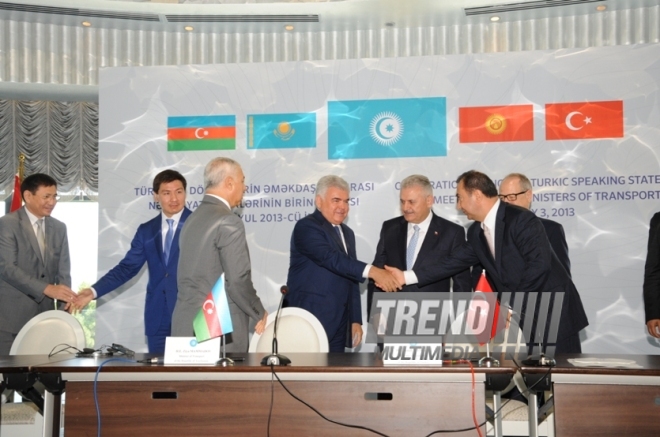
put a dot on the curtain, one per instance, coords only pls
(57, 138)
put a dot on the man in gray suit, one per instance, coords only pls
(212, 243)
(35, 268)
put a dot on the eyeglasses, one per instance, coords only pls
(48, 198)
(511, 197)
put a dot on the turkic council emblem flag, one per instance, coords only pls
(281, 131)
(388, 128)
(201, 132)
(213, 319)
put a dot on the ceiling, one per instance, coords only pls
(267, 16)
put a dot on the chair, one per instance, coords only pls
(298, 330)
(47, 330)
(40, 336)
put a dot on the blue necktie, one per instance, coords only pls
(410, 252)
(168, 239)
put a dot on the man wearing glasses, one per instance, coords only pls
(516, 189)
(35, 268)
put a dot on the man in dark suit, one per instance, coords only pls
(419, 237)
(156, 242)
(324, 272)
(35, 268)
(652, 279)
(516, 189)
(212, 243)
(510, 243)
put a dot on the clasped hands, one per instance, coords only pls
(389, 279)
(74, 301)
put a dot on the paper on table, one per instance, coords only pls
(604, 362)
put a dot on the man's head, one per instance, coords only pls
(416, 198)
(224, 177)
(516, 189)
(170, 191)
(475, 195)
(332, 198)
(39, 192)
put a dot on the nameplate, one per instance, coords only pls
(405, 354)
(187, 350)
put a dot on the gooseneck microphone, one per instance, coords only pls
(275, 359)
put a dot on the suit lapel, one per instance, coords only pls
(430, 238)
(499, 233)
(28, 230)
(325, 224)
(157, 233)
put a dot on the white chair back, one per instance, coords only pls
(298, 330)
(45, 331)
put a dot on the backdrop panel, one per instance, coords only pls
(601, 183)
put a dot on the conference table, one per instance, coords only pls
(357, 390)
(601, 395)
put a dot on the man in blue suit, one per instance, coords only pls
(324, 272)
(156, 242)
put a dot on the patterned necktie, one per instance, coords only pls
(41, 237)
(168, 239)
(410, 252)
(338, 231)
(489, 239)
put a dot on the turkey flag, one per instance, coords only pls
(584, 120)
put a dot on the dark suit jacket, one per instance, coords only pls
(322, 278)
(147, 246)
(23, 274)
(557, 238)
(524, 263)
(442, 237)
(652, 271)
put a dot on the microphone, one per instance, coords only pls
(275, 359)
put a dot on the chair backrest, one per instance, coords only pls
(45, 331)
(298, 330)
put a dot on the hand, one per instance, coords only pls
(653, 327)
(383, 279)
(60, 292)
(261, 324)
(398, 275)
(356, 329)
(82, 300)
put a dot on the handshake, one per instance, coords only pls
(389, 279)
(74, 301)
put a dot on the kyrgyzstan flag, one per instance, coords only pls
(16, 200)
(494, 124)
(483, 286)
(580, 120)
(213, 319)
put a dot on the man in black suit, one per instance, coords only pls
(510, 243)
(419, 237)
(652, 279)
(516, 189)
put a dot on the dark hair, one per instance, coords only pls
(34, 181)
(475, 180)
(167, 176)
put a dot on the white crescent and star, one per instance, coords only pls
(204, 133)
(569, 121)
(210, 308)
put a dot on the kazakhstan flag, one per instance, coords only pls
(281, 131)
(388, 128)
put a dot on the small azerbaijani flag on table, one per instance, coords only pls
(213, 319)
(201, 132)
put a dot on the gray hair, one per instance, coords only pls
(217, 170)
(525, 184)
(420, 181)
(330, 181)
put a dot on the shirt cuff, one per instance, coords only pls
(410, 277)
(94, 292)
(365, 272)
